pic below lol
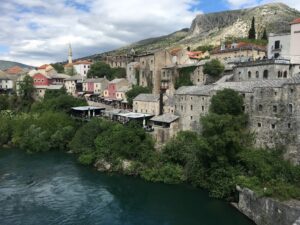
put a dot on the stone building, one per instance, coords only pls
(150, 69)
(118, 61)
(238, 52)
(165, 127)
(7, 83)
(265, 70)
(74, 85)
(191, 103)
(132, 72)
(147, 103)
(272, 105)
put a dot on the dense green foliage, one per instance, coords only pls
(135, 91)
(213, 68)
(218, 159)
(26, 92)
(4, 102)
(58, 67)
(252, 31)
(58, 101)
(227, 101)
(204, 48)
(264, 35)
(184, 78)
(101, 69)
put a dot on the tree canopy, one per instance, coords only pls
(227, 101)
(252, 31)
(213, 68)
(101, 69)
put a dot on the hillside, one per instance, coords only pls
(7, 64)
(211, 28)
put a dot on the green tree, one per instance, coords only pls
(213, 68)
(26, 91)
(227, 101)
(100, 69)
(118, 73)
(4, 102)
(58, 67)
(252, 32)
(264, 36)
(184, 77)
(135, 91)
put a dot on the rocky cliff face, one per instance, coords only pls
(210, 28)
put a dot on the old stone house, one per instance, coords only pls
(265, 70)
(74, 85)
(147, 103)
(238, 52)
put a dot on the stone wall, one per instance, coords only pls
(267, 211)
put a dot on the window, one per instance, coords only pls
(277, 45)
(273, 126)
(249, 74)
(289, 126)
(181, 108)
(290, 108)
(257, 74)
(266, 74)
(292, 90)
(191, 107)
(260, 108)
(279, 74)
(285, 74)
(276, 55)
(202, 108)
(275, 108)
(191, 118)
(259, 124)
(191, 98)
(275, 93)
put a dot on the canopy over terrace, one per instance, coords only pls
(87, 111)
(140, 117)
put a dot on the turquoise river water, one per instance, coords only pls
(52, 188)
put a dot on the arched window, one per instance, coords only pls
(260, 108)
(279, 74)
(249, 74)
(285, 74)
(266, 74)
(257, 74)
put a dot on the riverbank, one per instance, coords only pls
(216, 160)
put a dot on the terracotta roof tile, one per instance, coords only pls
(14, 70)
(296, 21)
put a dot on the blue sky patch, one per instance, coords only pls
(4, 49)
(78, 6)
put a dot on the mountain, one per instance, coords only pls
(209, 29)
(7, 64)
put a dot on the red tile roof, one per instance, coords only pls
(14, 70)
(295, 21)
(86, 62)
(43, 67)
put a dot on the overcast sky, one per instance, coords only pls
(38, 31)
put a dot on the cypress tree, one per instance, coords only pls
(252, 32)
(264, 36)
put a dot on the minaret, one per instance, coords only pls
(70, 54)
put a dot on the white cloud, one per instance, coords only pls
(39, 31)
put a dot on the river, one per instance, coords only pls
(52, 188)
